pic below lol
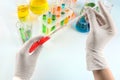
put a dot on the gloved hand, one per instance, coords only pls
(25, 63)
(102, 29)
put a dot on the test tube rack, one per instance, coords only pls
(57, 17)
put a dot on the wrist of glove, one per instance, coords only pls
(95, 60)
(16, 78)
(25, 61)
(24, 75)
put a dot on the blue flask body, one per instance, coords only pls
(82, 25)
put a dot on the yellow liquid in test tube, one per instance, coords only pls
(39, 7)
(23, 12)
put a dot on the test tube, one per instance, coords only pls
(49, 21)
(24, 29)
(58, 8)
(53, 28)
(67, 10)
(90, 4)
(28, 31)
(22, 10)
(58, 12)
(22, 34)
(62, 23)
(49, 14)
(58, 16)
(44, 28)
(63, 6)
(67, 2)
(53, 17)
(73, 15)
(48, 31)
(73, 3)
(66, 20)
(62, 13)
(53, 10)
(68, 17)
(108, 4)
(44, 17)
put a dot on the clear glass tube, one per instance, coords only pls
(108, 4)
(24, 30)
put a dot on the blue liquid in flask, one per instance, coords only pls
(82, 25)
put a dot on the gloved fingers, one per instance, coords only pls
(100, 18)
(103, 9)
(106, 15)
(28, 44)
(100, 22)
(92, 19)
(110, 25)
(86, 17)
(36, 52)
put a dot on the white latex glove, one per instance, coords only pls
(25, 63)
(102, 29)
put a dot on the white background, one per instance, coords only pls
(62, 58)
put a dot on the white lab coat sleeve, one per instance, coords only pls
(16, 78)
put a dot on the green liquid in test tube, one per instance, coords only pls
(97, 9)
(22, 33)
(91, 4)
(53, 28)
(53, 17)
(44, 17)
(44, 28)
(62, 13)
(29, 33)
(62, 22)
